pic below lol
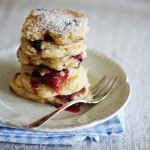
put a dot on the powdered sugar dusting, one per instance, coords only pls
(58, 21)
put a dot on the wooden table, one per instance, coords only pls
(120, 30)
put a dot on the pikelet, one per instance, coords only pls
(63, 26)
(54, 63)
(50, 54)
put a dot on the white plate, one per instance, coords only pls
(17, 111)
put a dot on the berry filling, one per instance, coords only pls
(78, 57)
(52, 78)
(47, 37)
(36, 74)
(36, 45)
(74, 21)
(55, 79)
(34, 85)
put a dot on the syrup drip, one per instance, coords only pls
(74, 108)
(67, 98)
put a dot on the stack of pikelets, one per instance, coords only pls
(50, 54)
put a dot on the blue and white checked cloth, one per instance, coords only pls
(113, 126)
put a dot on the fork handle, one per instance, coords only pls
(43, 120)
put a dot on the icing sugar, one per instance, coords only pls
(59, 21)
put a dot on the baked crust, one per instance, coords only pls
(63, 26)
(49, 49)
(57, 63)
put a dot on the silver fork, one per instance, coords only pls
(99, 92)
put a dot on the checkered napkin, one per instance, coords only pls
(113, 126)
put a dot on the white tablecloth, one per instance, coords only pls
(121, 30)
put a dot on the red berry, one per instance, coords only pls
(55, 79)
(78, 57)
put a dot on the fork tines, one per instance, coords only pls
(104, 86)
